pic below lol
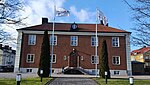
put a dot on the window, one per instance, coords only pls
(116, 60)
(94, 59)
(74, 41)
(29, 70)
(55, 40)
(30, 58)
(31, 39)
(116, 73)
(115, 41)
(93, 41)
(53, 58)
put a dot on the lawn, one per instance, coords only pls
(121, 81)
(25, 81)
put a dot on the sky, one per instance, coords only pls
(81, 11)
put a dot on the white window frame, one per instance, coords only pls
(93, 61)
(29, 60)
(116, 72)
(115, 42)
(31, 39)
(29, 70)
(74, 40)
(93, 41)
(55, 40)
(117, 60)
(53, 59)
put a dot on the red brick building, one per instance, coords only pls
(74, 46)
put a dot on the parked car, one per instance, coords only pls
(6, 68)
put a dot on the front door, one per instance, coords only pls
(73, 59)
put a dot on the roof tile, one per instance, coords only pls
(66, 27)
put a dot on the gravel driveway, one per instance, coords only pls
(72, 81)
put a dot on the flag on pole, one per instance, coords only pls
(99, 14)
(105, 21)
(61, 12)
(101, 17)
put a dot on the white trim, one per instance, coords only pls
(55, 58)
(18, 51)
(115, 41)
(115, 61)
(32, 37)
(74, 33)
(128, 59)
(24, 70)
(30, 57)
(91, 71)
(55, 36)
(121, 72)
(96, 59)
(94, 41)
(76, 41)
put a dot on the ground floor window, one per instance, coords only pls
(30, 58)
(53, 58)
(94, 59)
(116, 60)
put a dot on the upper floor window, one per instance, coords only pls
(115, 41)
(53, 58)
(116, 60)
(94, 59)
(93, 41)
(31, 39)
(30, 58)
(74, 41)
(55, 40)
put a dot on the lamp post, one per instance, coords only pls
(41, 73)
(18, 78)
(106, 76)
(131, 80)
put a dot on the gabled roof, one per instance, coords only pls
(140, 51)
(67, 26)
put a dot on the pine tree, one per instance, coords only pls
(104, 61)
(45, 56)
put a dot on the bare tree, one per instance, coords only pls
(9, 15)
(9, 12)
(141, 16)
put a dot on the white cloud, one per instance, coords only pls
(82, 15)
(36, 9)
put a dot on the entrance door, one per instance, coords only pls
(73, 59)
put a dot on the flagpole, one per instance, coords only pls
(96, 57)
(52, 43)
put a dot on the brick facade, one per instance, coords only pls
(84, 48)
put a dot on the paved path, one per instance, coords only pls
(72, 81)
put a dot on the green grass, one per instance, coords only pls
(25, 81)
(121, 82)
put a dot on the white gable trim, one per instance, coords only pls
(73, 33)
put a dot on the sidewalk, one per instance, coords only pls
(33, 75)
(13, 75)
(135, 77)
(69, 75)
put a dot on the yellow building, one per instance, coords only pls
(141, 55)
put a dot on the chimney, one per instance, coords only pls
(44, 20)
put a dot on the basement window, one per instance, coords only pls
(116, 72)
(29, 70)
